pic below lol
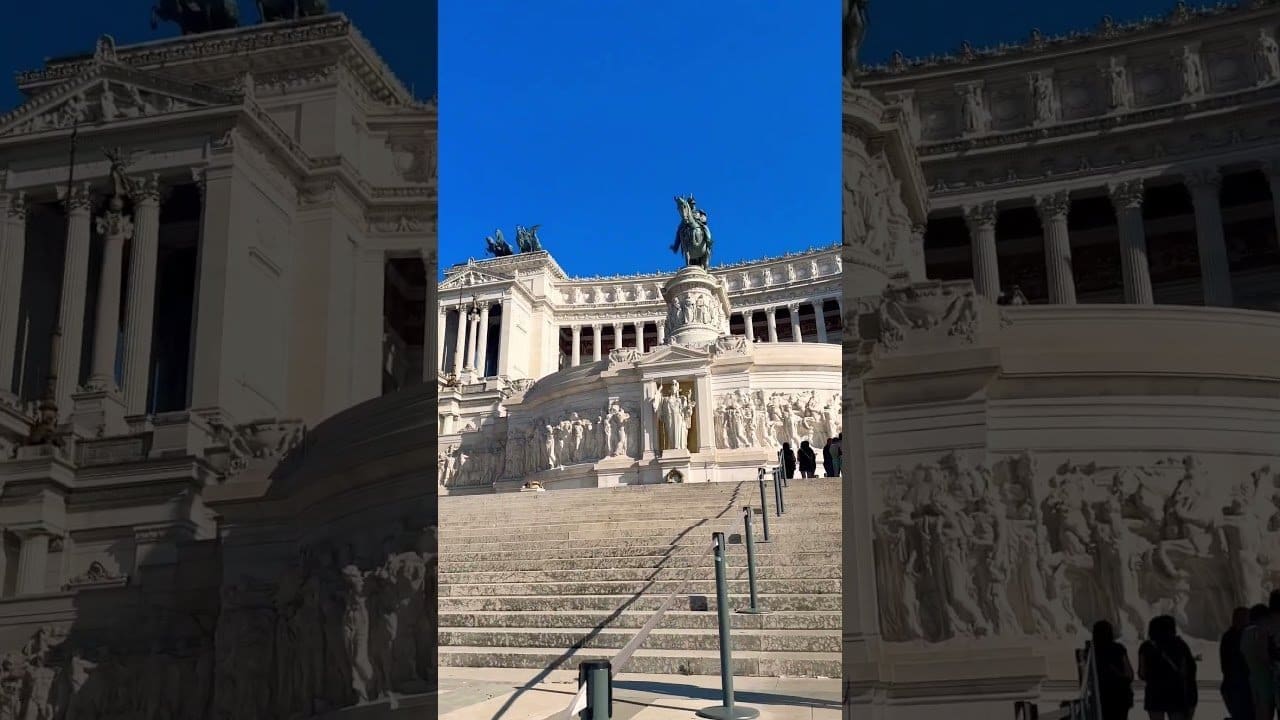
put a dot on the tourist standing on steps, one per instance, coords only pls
(808, 460)
(1236, 694)
(838, 453)
(1115, 674)
(829, 457)
(1167, 666)
(788, 461)
(1253, 649)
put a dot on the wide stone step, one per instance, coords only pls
(675, 639)
(452, 527)
(703, 560)
(780, 545)
(659, 587)
(766, 572)
(797, 540)
(791, 602)
(672, 619)
(659, 534)
(655, 662)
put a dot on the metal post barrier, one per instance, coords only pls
(727, 711)
(749, 539)
(597, 676)
(778, 483)
(764, 507)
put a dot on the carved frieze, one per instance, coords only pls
(767, 419)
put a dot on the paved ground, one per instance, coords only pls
(488, 694)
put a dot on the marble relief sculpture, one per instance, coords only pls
(674, 413)
(758, 420)
(1192, 73)
(1119, 91)
(974, 114)
(1266, 57)
(962, 551)
(1044, 102)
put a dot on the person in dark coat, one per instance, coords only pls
(808, 460)
(1115, 674)
(788, 461)
(829, 458)
(1168, 667)
(1236, 693)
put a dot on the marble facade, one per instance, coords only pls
(576, 371)
(1038, 433)
(212, 379)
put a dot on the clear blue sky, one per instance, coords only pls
(927, 27)
(403, 32)
(588, 117)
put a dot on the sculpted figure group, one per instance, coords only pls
(876, 218)
(697, 308)
(755, 420)
(541, 444)
(965, 552)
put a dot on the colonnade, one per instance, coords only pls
(1204, 185)
(472, 348)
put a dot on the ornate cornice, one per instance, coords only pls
(1182, 17)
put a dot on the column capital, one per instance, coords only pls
(661, 322)
(147, 189)
(16, 205)
(577, 327)
(597, 326)
(80, 199)
(1202, 178)
(1053, 204)
(980, 215)
(1126, 193)
(200, 177)
(793, 307)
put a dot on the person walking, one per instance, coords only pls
(829, 458)
(1257, 660)
(788, 461)
(808, 460)
(1168, 667)
(1235, 688)
(1115, 674)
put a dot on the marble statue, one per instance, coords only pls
(975, 116)
(497, 246)
(197, 16)
(1266, 57)
(674, 412)
(1192, 73)
(1044, 102)
(1119, 92)
(693, 236)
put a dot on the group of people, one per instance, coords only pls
(807, 458)
(1249, 654)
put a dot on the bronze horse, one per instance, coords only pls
(273, 10)
(197, 16)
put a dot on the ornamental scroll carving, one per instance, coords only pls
(756, 419)
(926, 314)
(963, 550)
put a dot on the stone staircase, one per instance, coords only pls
(547, 580)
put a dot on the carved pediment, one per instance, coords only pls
(109, 93)
(469, 277)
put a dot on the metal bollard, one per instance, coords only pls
(777, 491)
(597, 676)
(727, 711)
(764, 507)
(749, 539)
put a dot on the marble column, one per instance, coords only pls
(141, 303)
(1127, 198)
(13, 249)
(482, 342)
(473, 341)
(71, 306)
(442, 318)
(820, 315)
(796, 334)
(640, 326)
(981, 219)
(662, 331)
(575, 354)
(617, 336)
(1053, 209)
(1205, 185)
(1273, 179)
(33, 562)
(368, 332)
(771, 314)
(115, 228)
(595, 346)
(504, 337)
(748, 322)
(460, 339)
